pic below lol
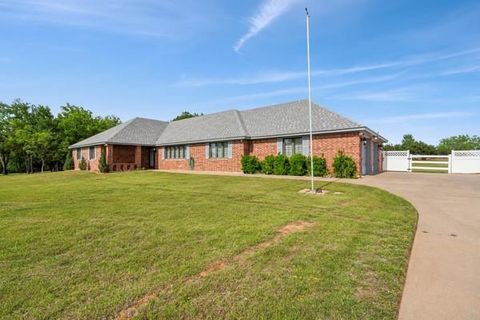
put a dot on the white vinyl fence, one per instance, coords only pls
(465, 161)
(396, 160)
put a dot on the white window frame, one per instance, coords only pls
(79, 153)
(296, 143)
(218, 150)
(90, 153)
(175, 152)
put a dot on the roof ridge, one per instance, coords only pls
(239, 118)
(275, 105)
(126, 123)
(337, 114)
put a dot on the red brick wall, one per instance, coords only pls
(92, 165)
(263, 147)
(329, 144)
(197, 152)
(123, 154)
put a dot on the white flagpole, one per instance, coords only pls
(309, 99)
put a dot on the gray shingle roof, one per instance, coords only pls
(291, 118)
(137, 131)
(216, 126)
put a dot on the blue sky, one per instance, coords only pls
(396, 66)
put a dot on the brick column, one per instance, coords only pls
(109, 155)
(138, 157)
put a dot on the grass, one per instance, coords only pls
(85, 246)
(435, 166)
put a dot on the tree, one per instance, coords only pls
(415, 147)
(6, 146)
(68, 163)
(102, 164)
(186, 115)
(75, 123)
(460, 142)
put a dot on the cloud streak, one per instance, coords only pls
(164, 19)
(284, 76)
(268, 12)
(421, 116)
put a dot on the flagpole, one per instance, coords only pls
(309, 98)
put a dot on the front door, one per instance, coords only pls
(366, 157)
(151, 158)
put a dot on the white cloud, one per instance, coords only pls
(461, 70)
(284, 76)
(166, 18)
(267, 13)
(421, 116)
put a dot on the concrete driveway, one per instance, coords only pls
(443, 279)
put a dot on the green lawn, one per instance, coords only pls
(82, 245)
(435, 166)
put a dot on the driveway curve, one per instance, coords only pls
(443, 279)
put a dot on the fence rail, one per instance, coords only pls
(459, 161)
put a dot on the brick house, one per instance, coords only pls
(216, 142)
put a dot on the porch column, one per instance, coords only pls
(138, 157)
(109, 155)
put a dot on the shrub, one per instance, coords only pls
(268, 164)
(281, 165)
(344, 166)
(298, 165)
(191, 163)
(319, 166)
(68, 164)
(250, 164)
(102, 162)
(83, 164)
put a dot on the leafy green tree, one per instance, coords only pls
(76, 123)
(460, 142)
(186, 115)
(68, 163)
(415, 146)
(102, 163)
(6, 143)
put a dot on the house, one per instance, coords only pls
(217, 141)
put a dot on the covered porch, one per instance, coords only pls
(130, 157)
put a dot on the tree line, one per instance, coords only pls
(33, 139)
(444, 147)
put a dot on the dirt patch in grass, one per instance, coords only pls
(297, 226)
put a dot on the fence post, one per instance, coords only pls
(450, 161)
(409, 161)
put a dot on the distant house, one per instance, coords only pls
(217, 141)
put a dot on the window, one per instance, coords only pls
(175, 152)
(79, 153)
(292, 146)
(91, 153)
(218, 150)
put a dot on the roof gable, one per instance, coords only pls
(137, 131)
